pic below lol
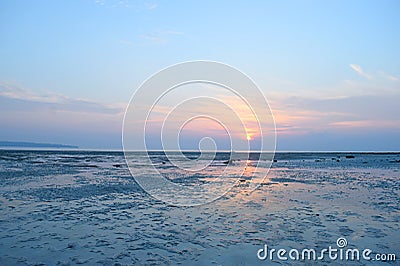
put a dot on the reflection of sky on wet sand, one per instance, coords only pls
(104, 216)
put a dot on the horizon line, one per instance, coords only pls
(9, 148)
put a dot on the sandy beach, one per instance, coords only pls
(69, 208)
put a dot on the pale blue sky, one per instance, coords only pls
(68, 68)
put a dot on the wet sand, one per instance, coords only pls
(62, 209)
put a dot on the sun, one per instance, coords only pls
(248, 137)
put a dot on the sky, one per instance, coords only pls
(329, 69)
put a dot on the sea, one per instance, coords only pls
(72, 207)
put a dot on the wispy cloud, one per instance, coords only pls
(29, 116)
(360, 71)
(12, 91)
(25, 98)
(388, 76)
(151, 6)
(153, 37)
(161, 36)
(379, 75)
(100, 2)
(296, 115)
(366, 124)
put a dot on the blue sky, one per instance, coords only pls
(330, 69)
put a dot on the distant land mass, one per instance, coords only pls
(24, 144)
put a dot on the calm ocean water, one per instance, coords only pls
(84, 207)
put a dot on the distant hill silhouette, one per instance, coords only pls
(23, 144)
